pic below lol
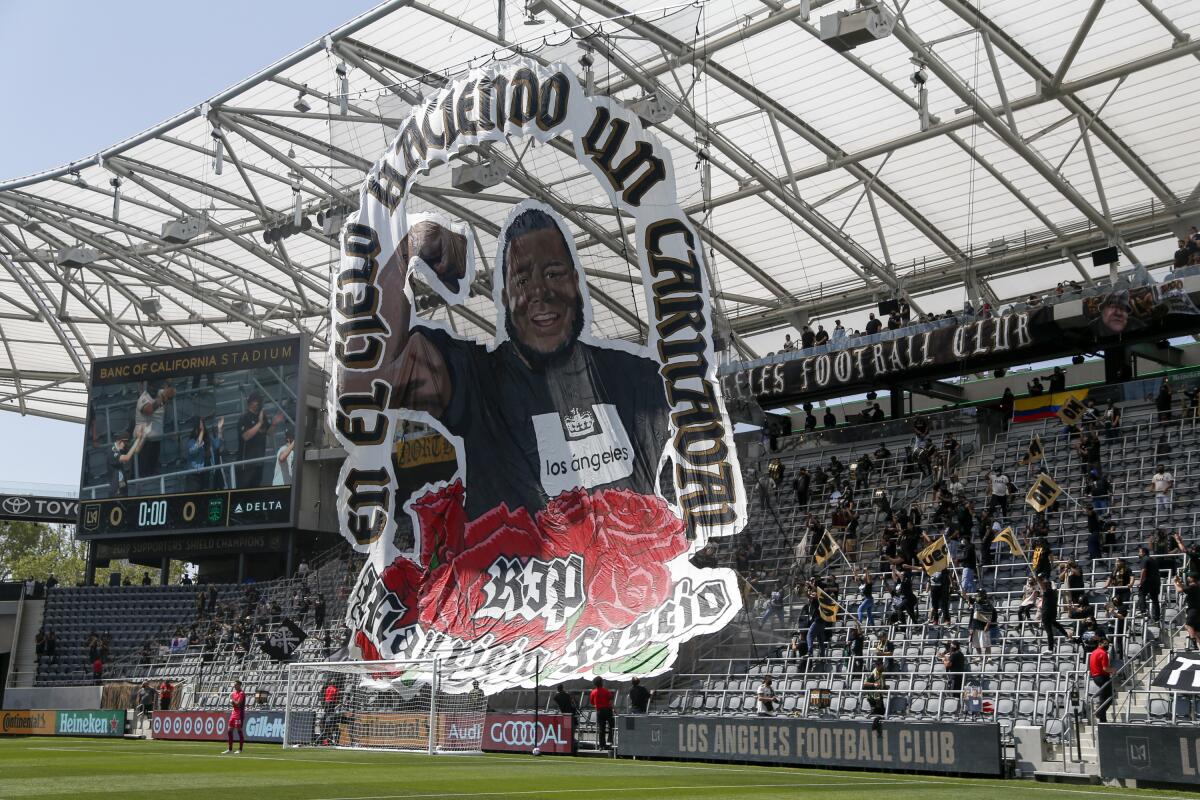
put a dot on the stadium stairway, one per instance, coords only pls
(23, 670)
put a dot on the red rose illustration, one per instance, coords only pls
(620, 591)
(442, 520)
(568, 525)
(639, 527)
(454, 591)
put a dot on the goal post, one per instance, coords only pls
(380, 705)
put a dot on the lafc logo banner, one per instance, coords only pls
(555, 542)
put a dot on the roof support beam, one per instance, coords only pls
(948, 77)
(1073, 49)
(1067, 93)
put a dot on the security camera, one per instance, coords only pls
(920, 76)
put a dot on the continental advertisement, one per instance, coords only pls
(28, 723)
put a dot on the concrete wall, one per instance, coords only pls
(58, 697)
(8, 621)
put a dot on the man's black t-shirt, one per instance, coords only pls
(255, 446)
(639, 699)
(599, 419)
(1191, 597)
(958, 662)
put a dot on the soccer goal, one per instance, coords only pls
(380, 705)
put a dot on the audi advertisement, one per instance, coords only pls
(211, 726)
(520, 733)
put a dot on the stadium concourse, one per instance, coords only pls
(499, 369)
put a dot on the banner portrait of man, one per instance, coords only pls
(588, 469)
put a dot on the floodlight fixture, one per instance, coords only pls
(150, 305)
(846, 30)
(184, 229)
(343, 88)
(475, 178)
(301, 104)
(653, 109)
(76, 257)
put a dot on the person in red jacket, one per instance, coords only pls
(602, 701)
(237, 716)
(1100, 670)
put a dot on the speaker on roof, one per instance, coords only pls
(1105, 256)
(889, 307)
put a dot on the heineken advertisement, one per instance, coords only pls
(91, 723)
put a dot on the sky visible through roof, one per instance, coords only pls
(81, 76)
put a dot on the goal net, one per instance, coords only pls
(380, 705)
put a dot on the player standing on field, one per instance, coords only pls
(237, 716)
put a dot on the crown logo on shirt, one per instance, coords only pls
(579, 424)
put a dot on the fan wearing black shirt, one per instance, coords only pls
(253, 428)
(1190, 592)
(543, 411)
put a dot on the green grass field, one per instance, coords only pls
(82, 768)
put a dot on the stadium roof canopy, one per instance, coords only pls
(1053, 129)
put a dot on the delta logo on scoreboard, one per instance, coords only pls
(520, 733)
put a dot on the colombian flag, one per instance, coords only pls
(1044, 406)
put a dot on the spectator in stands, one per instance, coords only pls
(968, 559)
(1095, 526)
(212, 599)
(904, 600)
(51, 581)
(862, 472)
(1120, 582)
(1088, 449)
(829, 420)
(801, 485)
(875, 413)
(795, 651)
(1162, 400)
(1100, 670)
(1112, 421)
(815, 637)
(1058, 380)
(1035, 388)
(939, 597)
(1189, 591)
(1007, 403)
(1162, 483)
(788, 344)
(145, 579)
(766, 697)
(876, 684)
(774, 607)
(998, 483)
(1050, 616)
(873, 325)
(1041, 559)
(807, 337)
(602, 700)
(97, 670)
(866, 591)
(1029, 599)
(1191, 556)
(639, 697)
(810, 420)
(822, 336)
(983, 619)
(39, 646)
(885, 651)
(201, 602)
(1071, 576)
(1183, 255)
(1099, 488)
(1149, 584)
(955, 664)
(319, 611)
(854, 648)
(839, 333)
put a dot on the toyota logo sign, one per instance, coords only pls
(16, 505)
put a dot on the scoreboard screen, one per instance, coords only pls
(195, 440)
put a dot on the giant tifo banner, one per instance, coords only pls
(954, 747)
(1152, 753)
(586, 469)
(1143, 313)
